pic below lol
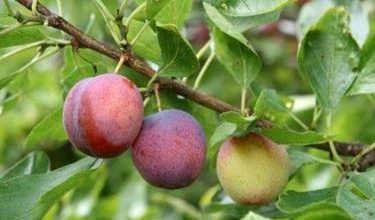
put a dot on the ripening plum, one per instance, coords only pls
(103, 115)
(252, 170)
(170, 150)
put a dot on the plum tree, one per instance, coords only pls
(253, 170)
(103, 115)
(170, 149)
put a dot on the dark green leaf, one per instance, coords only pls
(361, 209)
(222, 132)
(177, 56)
(272, 106)
(47, 132)
(224, 25)
(34, 163)
(238, 58)
(17, 36)
(365, 182)
(244, 23)
(300, 158)
(288, 136)
(365, 82)
(323, 211)
(294, 202)
(242, 8)
(153, 7)
(147, 44)
(30, 197)
(313, 10)
(174, 12)
(243, 124)
(328, 58)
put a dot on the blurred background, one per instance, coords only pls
(117, 191)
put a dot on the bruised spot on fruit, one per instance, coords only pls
(253, 170)
(170, 149)
(103, 115)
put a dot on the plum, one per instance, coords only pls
(103, 115)
(170, 150)
(253, 170)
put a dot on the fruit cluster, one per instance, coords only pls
(103, 117)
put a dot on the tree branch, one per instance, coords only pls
(83, 40)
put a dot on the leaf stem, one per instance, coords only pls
(60, 8)
(332, 147)
(203, 50)
(8, 8)
(316, 116)
(90, 23)
(156, 91)
(135, 13)
(243, 101)
(146, 101)
(204, 70)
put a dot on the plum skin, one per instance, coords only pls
(252, 170)
(170, 150)
(103, 115)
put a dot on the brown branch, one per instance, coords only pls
(83, 40)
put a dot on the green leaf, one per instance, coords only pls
(38, 57)
(20, 34)
(224, 25)
(359, 20)
(273, 106)
(80, 65)
(328, 58)
(174, 12)
(147, 45)
(30, 197)
(223, 131)
(365, 82)
(238, 58)
(361, 209)
(294, 202)
(365, 182)
(313, 10)
(300, 158)
(288, 136)
(177, 56)
(323, 211)
(310, 14)
(47, 132)
(153, 7)
(253, 216)
(243, 124)
(110, 21)
(33, 163)
(241, 8)
(244, 23)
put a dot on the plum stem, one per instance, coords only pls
(156, 91)
(120, 64)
